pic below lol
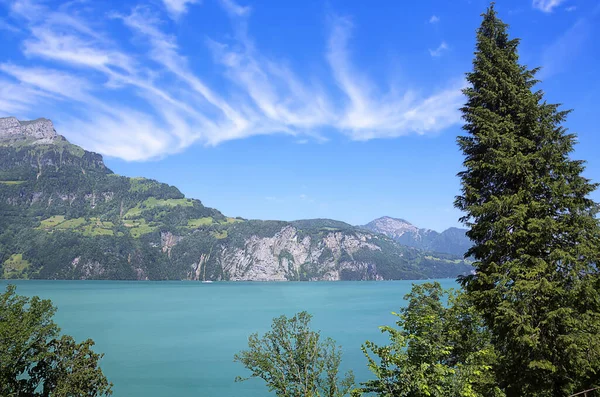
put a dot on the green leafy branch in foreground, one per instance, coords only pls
(440, 348)
(35, 361)
(436, 351)
(294, 361)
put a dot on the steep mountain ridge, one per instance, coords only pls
(65, 215)
(452, 241)
(39, 129)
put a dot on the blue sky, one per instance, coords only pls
(286, 109)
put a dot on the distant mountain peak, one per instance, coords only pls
(393, 222)
(39, 129)
(452, 240)
(392, 219)
(392, 227)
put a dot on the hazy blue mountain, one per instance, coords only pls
(451, 241)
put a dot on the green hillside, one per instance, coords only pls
(65, 215)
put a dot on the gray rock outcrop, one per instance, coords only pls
(39, 129)
(283, 257)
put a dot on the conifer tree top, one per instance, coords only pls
(536, 240)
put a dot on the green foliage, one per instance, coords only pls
(52, 222)
(12, 182)
(96, 227)
(15, 267)
(436, 351)
(68, 220)
(142, 184)
(230, 220)
(396, 262)
(321, 225)
(196, 248)
(71, 223)
(196, 223)
(72, 218)
(239, 232)
(36, 361)
(295, 361)
(152, 202)
(220, 235)
(535, 232)
(87, 227)
(139, 227)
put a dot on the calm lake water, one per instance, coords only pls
(178, 338)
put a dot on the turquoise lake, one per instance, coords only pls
(179, 338)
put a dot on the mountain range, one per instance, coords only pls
(452, 240)
(65, 215)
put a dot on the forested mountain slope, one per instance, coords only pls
(65, 215)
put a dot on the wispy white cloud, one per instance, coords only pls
(274, 90)
(49, 80)
(234, 8)
(141, 136)
(164, 50)
(440, 50)
(176, 8)
(547, 5)
(18, 98)
(571, 8)
(370, 113)
(149, 102)
(48, 43)
(434, 19)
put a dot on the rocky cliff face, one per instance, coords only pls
(307, 250)
(39, 129)
(289, 256)
(33, 147)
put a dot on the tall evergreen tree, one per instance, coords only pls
(534, 228)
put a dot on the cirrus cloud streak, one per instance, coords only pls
(142, 99)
